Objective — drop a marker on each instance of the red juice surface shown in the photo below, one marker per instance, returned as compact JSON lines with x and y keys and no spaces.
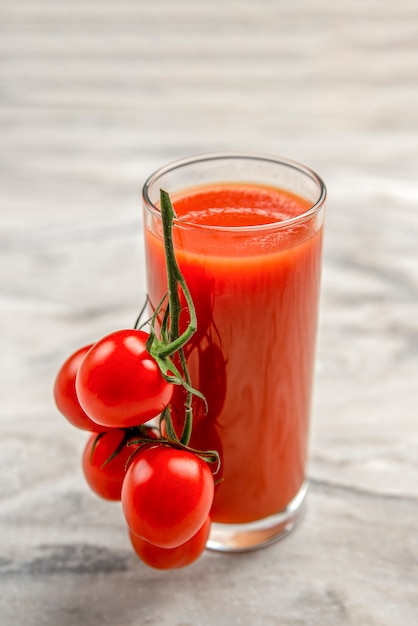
{"x":255,"y":291}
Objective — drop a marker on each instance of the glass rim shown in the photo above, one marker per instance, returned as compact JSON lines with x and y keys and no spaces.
{"x":250,"y":156}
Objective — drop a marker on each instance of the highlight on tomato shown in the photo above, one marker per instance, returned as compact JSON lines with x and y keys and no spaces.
{"x":172,"y":558}
{"x":119,"y":384}
{"x":167,"y":495}
{"x":65,"y":393}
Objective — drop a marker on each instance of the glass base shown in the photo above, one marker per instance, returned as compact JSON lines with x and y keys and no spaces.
{"x":261,"y":533}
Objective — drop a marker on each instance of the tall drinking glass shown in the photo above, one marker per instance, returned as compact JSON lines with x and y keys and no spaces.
{"x":248,"y":238}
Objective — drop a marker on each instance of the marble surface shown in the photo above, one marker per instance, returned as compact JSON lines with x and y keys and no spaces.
{"x":94,"y":96}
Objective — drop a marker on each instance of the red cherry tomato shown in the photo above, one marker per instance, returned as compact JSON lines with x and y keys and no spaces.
{"x":119,"y":384}
{"x":103,"y":476}
{"x":65,"y":393}
{"x":167,"y":495}
{"x":171,"y":558}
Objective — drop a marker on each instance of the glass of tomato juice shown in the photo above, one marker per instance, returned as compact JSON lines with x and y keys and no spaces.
{"x":248,"y":238}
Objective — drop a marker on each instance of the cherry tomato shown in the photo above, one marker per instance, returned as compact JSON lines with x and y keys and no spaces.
{"x":167,"y":495}
{"x":103,"y":476}
{"x":171,"y":558}
{"x":65,"y":393}
{"x":119,"y":384}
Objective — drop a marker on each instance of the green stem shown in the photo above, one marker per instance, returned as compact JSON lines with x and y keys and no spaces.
{"x":174,"y":281}
{"x":167,"y":216}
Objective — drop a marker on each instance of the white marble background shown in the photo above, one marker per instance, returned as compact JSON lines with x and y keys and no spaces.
{"x":94,"y":95}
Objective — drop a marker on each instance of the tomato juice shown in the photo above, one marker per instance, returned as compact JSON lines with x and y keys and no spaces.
{"x":253,"y":270}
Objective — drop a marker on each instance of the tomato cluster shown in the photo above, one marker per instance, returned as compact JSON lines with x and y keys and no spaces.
{"x":112,"y":389}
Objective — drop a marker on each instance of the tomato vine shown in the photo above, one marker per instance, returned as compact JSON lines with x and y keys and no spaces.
{"x":169,"y":341}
